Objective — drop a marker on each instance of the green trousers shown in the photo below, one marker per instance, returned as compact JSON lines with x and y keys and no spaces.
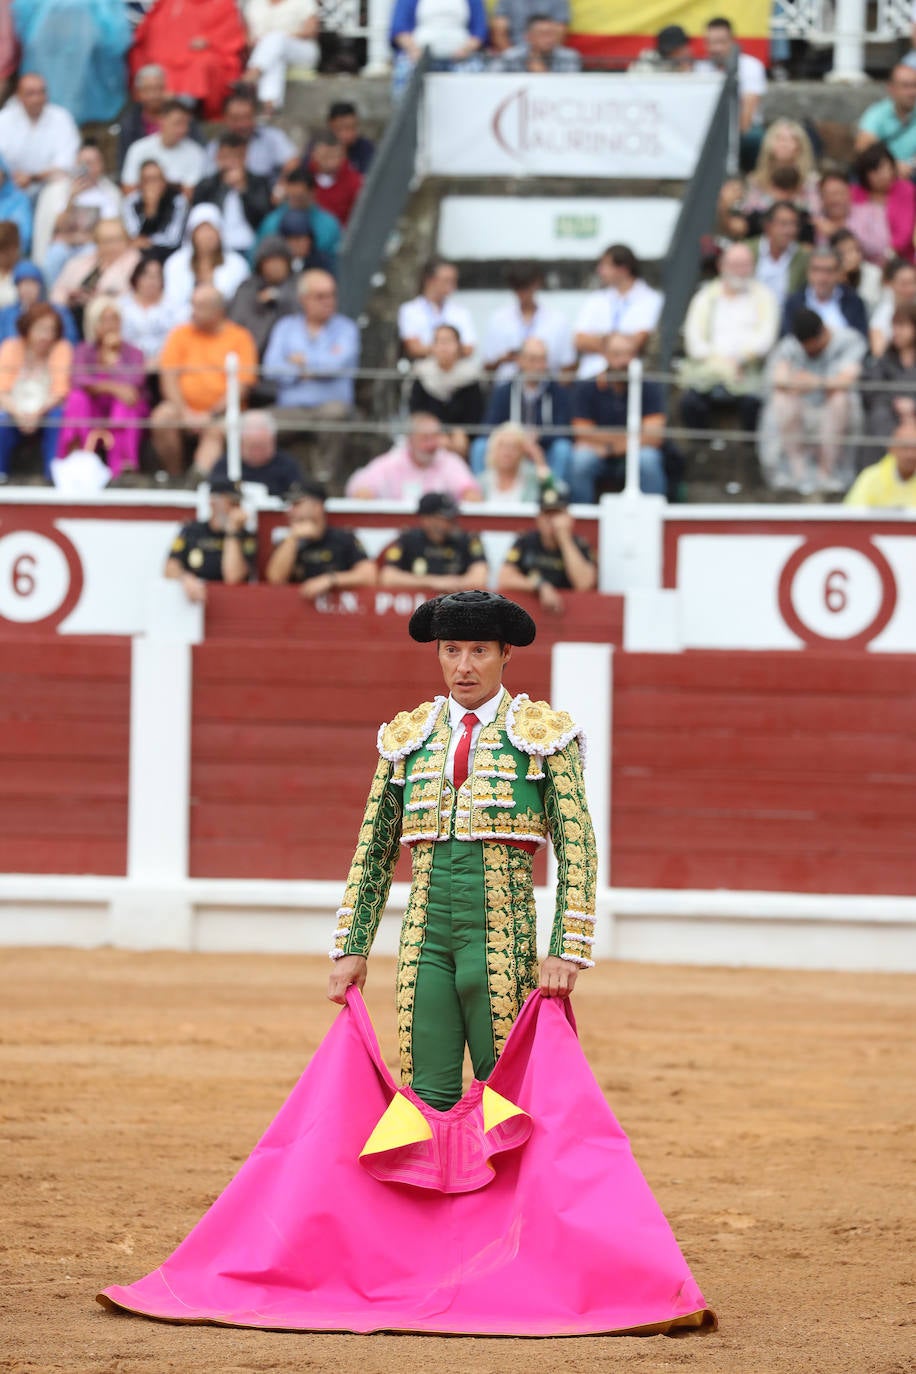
{"x":452,"y":998}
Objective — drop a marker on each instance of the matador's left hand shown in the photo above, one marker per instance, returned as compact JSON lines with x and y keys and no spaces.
{"x":345,"y":972}
{"x":558,"y":977}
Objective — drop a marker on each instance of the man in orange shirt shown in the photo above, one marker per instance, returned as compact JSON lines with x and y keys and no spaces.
{"x":193,"y":381}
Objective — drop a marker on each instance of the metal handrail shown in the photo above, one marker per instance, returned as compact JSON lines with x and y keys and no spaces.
{"x":395,"y":422}
{"x":664,"y":376}
{"x":718,"y":158}
{"x":382,"y":199}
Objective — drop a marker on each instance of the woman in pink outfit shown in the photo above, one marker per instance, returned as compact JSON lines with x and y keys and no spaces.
{"x":108,"y":388}
{"x":883,"y":214}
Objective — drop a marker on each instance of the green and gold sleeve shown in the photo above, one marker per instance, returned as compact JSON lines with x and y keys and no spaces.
{"x":372,"y":869}
{"x":574,"y":844}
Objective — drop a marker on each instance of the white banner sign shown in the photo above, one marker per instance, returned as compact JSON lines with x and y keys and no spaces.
{"x":641,"y":127}
{"x":488,"y":228}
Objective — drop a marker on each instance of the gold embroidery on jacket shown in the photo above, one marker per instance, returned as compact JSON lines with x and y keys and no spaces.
{"x":413,"y":933}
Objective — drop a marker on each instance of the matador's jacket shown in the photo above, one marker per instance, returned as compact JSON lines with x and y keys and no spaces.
{"x":526,"y":783}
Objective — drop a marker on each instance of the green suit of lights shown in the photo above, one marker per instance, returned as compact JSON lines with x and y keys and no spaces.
{"x":468,"y":956}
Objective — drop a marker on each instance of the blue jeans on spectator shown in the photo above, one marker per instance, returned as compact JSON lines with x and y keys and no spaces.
{"x":588,"y":466}
{"x":10,"y":436}
{"x":558,"y":453}
{"x":402,"y":69}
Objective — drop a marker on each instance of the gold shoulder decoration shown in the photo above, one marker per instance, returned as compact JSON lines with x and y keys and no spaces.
{"x":537,"y":729}
{"x":408,"y":730}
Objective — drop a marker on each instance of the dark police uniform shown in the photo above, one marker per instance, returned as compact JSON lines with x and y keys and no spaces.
{"x":199,"y":549}
{"x":531,"y":555}
{"x":337,"y":550}
{"x":414,"y":552}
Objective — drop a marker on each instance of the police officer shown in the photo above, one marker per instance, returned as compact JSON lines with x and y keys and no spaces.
{"x":322,"y":557}
{"x":551,"y":557}
{"x":217,"y":549}
{"x":435,"y":555}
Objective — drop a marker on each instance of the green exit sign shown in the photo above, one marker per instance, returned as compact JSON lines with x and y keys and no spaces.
{"x":576,"y":226}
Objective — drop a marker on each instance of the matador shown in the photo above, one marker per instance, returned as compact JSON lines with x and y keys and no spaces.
{"x":473,"y":783}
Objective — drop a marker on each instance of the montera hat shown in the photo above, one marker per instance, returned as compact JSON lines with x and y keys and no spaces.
{"x":472,"y":615}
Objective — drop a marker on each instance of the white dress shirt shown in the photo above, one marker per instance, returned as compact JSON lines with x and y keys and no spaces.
{"x":146,"y":326}
{"x":610,"y":311}
{"x":829,"y":310}
{"x":268,"y":149}
{"x":752,"y":77}
{"x":180,"y":283}
{"x":774,"y":272}
{"x":237,"y":232}
{"x":35,"y":145}
{"x":507,"y":329}
{"x":882,"y":317}
{"x":277,"y":16}
{"x":182,"y":163}
{"x":419,"y":319}
{"x":486,"y":714}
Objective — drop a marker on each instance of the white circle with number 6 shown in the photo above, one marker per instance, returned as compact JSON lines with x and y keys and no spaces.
{"x":837,"y":593}
{"x":34,"y":577}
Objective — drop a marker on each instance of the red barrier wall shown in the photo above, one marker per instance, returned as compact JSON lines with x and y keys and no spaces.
{"x":791,"y":771}
{"x":771,"y":772}
{"x":64,"y":755}
{"x":286,"y":708}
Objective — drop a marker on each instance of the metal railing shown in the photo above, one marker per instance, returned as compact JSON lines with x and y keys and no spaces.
{"x":817,"y":21}
{"x":393,"y":416}
{"x":724,"y":456}
{"x":367,"y":19}
{"x":718,"y":158}
{"x":382,"y":199}
{"x":846,"y":26}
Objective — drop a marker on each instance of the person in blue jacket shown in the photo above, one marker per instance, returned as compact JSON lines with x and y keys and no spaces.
{"x":839,"y":306}
{"x":455,"y":34}
{"x":30,"y":287}
{"x":16,"y":206}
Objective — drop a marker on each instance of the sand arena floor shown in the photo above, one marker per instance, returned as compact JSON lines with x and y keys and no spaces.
{"x":773,"y":1114}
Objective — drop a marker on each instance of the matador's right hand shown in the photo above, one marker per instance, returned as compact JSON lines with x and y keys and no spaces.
{"x":349,"y":970}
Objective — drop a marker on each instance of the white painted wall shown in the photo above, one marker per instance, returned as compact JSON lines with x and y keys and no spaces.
{"x":730,"y":929}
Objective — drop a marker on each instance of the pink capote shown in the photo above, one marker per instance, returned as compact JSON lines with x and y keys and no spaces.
{"x":559,"y":1235}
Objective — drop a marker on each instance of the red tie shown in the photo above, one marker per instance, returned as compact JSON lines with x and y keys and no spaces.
{"x":463,"y":752}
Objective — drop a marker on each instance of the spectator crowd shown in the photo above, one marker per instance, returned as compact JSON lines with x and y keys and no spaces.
{"x":801,"y":334}
{"x":128,"y":276}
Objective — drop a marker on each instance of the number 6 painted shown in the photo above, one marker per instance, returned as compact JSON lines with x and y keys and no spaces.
{"x":23,"y":576}
{"x":835,"y":596}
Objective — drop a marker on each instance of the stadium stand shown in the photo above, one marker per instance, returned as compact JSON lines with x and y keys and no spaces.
{"x":282,"y":157}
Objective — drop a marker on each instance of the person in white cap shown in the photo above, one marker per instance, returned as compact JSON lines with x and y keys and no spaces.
{"x":203,"y":260}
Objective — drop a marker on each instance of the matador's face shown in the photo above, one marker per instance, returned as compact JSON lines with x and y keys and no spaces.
{"x":473,"y":669}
